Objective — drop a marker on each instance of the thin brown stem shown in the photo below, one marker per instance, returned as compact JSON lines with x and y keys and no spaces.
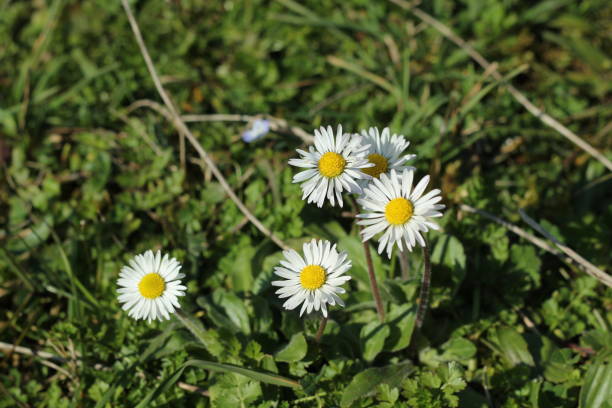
{"x":368,"y":257}
{"x":425,"y":285}
{"x":321,"y":330}
{"x":403,"y":258}
{"x":375,"y":292}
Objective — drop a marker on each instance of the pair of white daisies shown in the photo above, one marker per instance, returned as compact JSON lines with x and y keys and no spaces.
{"x":370,"y":165}
{"x":150,"y":285}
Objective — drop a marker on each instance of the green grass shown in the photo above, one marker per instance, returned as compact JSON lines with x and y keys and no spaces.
{"x":87,"y":184}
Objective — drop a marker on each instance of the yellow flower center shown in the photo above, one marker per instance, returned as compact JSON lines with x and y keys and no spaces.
{"x":331,"y":164}
{"x":312,"y":277}
{"x":398,"y":211}
{"x":152,"y":286}
{"x":380,"y":165}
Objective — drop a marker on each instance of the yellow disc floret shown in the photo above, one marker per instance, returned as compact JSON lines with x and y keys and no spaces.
{"x":312,"y":277}
{"x":331,"y":164}
{"x":380,"y":165}
{"x":152,"y":286}
{"x":398,"y":211}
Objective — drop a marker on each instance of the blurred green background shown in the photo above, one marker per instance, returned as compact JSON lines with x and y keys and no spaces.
{"x":88,"y":181}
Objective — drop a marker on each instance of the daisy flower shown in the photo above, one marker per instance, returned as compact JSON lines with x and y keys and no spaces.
{"x":333,"y":166}
{"x":385,"y":152}
{"x":392,"y":205}
{"x":150,"y":286}
{"x":315,"y":280}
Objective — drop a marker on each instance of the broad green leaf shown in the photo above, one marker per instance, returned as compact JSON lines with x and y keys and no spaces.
{"x":31,"y":237}
{"x":365,"y":383}
{"x":239,"y":268}
{"x":513,"y":346}
{"x":526,"y":260}
{"x":452,"y":376}
{"x":372,"y":338}
{"x":534,"y":393}
{"x":449,"y":251}
{"x":263,"y":279}
{"x":458,"y":349}
{"x":597,"y":389}
{"x":401,"y":324}
{"x":157,"y":342}
{"x":597,"y":340}
{"x":234,"y":309}
{"x":354,"y":247}
{"x":557,"y":362}
{"x":294,"y":351}
{"x":209,"y":339}
{"x":231,"y":390}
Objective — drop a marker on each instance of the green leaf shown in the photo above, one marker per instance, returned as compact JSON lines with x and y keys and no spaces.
{"x":400,"y":321}
{"x":31,"y":237}
{"x":452,"y":376}
{"x":458,"y":349}
{"x":513,"y":346}
{"x":234,"y":309}
{"x":526,"y":260}
{"x":597,"y":389}
{"x":233,"y":390}
{"x":294,"y":351}
{"x":597,"y":340}
{"x":557,"y":363}
{"x":449,"y":251}
{"x":157,"y":342}
{"x":208,"y":338}
{"x":365,"y":383}
{"x":354,"y":247}
{"x":237,"y":265}
{"x":372,"y":338}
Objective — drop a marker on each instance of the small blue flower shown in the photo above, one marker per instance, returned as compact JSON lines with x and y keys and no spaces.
{"x":259,"y":129}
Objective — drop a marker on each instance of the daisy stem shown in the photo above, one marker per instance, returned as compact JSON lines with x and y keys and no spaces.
{"x":368,"y":256}
{"x":425,"y":284}
{"x":321,"y":330}
{"x":375,"y":292}
{"x":403,"y":258}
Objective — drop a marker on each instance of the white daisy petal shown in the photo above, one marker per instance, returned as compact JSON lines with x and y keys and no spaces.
{"x":314,"y":283}
{"x":385,"y":153}
{"x":149,"y":288}
{"x":333,"y":166}
{"x":391,"y":206}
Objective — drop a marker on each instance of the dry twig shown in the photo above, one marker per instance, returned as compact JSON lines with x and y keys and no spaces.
{"x":563,"y":255}
{"x":276,"y":124}
{"x":50,"y":360}
{"x":588,"y":267}
{"x":180,"y":125}
{"x":520,"y":98}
